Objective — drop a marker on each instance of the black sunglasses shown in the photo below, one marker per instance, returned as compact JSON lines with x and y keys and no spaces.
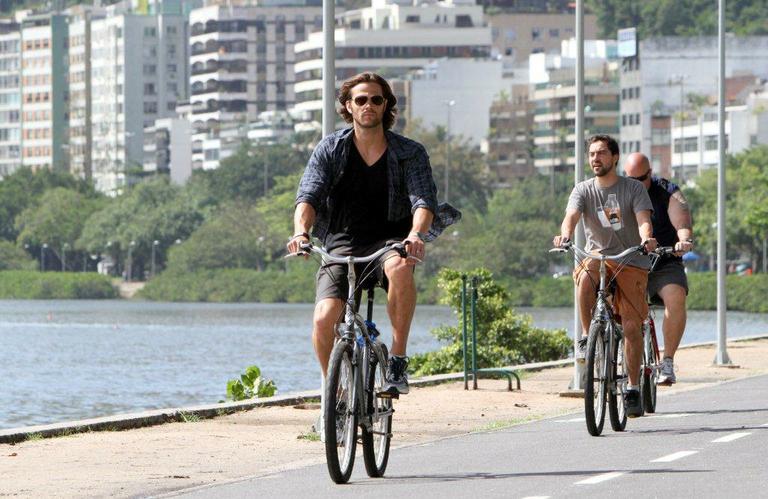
{"x":642,"y":178}
{"x":361,"y":100}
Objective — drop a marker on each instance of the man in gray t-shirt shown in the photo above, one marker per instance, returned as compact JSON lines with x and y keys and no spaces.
{"x":617,"y":215}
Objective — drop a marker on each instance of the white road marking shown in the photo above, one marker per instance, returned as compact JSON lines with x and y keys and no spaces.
{"x":730,"y":438}
{"x":574,"y":420}
{"x":765,"y":424}
{"x":601,"y":478}
{"x":537,"y":497}
{"x":674,"y":457}
{"x":670,"y":416}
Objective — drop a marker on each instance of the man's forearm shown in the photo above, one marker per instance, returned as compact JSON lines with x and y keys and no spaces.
{"x":303,"y":218}
{"x":422,"y":220}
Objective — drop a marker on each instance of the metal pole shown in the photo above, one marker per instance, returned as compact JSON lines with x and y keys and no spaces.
{"x":474,"y":332}
{"x":464,"y":326}
{"x":578,"y":177}
{"x":329,"y":67}
{"x":765,"y":242}
{"x":42,"y":257}
{"x":721,"y":357}
{"x":682,"y":128}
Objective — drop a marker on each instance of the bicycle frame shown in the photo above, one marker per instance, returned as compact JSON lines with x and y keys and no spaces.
{"x":354,"y":330}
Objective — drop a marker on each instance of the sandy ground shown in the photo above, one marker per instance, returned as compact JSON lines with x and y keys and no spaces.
{"x":174,"y":456}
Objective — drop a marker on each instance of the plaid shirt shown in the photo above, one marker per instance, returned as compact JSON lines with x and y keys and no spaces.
{"x":409,"y":177}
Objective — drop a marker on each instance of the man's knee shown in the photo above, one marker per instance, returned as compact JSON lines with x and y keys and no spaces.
{"x":398,"y":272}
{"x":673,"y":296}
{"x":327,"y":313}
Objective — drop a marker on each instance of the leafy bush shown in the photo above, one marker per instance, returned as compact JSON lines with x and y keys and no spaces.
{"x":31,"y":285}
{"x":504,"y":338}
{"x":250,"y":385}
{"x":743,"y":293}
{"x":14,"y":258}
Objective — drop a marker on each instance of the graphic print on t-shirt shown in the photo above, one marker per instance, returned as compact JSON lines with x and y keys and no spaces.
{"x":610,"y":213}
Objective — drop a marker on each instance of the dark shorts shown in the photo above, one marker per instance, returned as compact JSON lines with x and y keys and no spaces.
{"x":671,"y":271}
{"x":331,"y":279}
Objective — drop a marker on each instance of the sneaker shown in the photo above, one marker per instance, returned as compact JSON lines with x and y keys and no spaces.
{"x":634,"y":405}
{"x":581,"y":351}
{"x":397,"y":376}
{"x":667,"y":372}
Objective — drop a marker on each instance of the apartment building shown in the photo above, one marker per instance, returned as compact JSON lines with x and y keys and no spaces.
{"x":10,"y":98}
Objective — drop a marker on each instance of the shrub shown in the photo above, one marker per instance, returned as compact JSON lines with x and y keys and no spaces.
{"x":31,"y":285}
{"x":250,"y":385}
{"x":504,"y":337}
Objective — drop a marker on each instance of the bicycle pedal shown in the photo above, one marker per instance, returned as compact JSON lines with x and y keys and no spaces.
{"x":388,"y":395}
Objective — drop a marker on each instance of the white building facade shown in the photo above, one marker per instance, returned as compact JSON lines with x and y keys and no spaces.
{"x":10,"y":98}
{"x":138,"y":74}
{"x":242,"y":63}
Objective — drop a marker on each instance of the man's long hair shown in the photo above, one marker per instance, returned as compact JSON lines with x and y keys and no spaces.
{"x":345,"y":93}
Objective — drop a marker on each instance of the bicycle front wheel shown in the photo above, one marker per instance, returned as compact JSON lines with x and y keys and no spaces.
{"x":617,"y":410}
{"x":650,"y":369}
{"x":340,"y":419}
{"x":377,"y":436}
{"x":594,"y":388}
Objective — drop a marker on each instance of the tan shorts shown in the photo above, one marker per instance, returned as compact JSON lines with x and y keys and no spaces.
{"x":629,"y":299}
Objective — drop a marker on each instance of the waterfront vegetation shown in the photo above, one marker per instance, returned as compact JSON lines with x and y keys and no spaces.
{"x":28,"y":285}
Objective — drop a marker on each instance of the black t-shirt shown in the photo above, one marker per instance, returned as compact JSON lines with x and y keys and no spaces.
{"x":361,"y":205}
{"x":660,"y":192}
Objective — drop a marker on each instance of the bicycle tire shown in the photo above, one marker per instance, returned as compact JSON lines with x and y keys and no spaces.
{"x":377,"y":438}
{"x":650,"y":372}
{"x":339,"y":397}
{"x":617,"y":410}
{"x":594,"y":387}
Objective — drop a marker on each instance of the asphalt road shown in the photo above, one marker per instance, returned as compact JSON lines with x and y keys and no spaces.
{"x":706,"y":443}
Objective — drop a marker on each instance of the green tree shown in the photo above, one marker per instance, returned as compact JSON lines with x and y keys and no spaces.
{"x":24,"y":187}
{"x":57,"y":219}
{"x":14,"y":258}
{"x":153,"y":210}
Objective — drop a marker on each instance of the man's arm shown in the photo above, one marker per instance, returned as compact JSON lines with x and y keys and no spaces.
{"x":680,"y":216}
{"x":422,"y":220}
{"x":303,"y":220}
{"x":572,"y":217}
{"x":645,"y":227}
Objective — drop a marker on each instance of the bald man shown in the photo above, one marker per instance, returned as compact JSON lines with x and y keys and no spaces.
{"x":671,"y":221}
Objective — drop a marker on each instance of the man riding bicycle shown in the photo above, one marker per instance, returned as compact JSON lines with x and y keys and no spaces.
{"x":671,"y":222}
{"x":617,"y":215}
{"x":363,"y":186}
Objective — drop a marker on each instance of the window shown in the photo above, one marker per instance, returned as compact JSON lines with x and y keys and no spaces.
{"x":535,"y":34}
{"x":171,"y":30}
{"x":171,"y":68}
{"x":150,"y":69}
{"x":710,"y":143}
{"x":149,"y":89}
{"x":412,"y":19}
{"x":150,"y":107}
{"x":554,"y":33}
{"x":150,"y":32}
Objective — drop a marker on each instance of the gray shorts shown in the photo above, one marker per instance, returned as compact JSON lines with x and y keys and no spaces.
{"x":666,"y":272}
{"x":331,"y":279}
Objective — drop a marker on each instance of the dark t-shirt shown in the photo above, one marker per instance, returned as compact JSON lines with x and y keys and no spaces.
{"x":664,"y":232}
{"x":361,"y":205}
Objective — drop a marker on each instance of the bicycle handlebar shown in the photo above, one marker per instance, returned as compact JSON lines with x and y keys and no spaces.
{"x":580,"y":252}
{"x":307,"y":248}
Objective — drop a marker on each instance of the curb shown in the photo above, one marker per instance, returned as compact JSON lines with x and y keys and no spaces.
{"x":162,"y":416}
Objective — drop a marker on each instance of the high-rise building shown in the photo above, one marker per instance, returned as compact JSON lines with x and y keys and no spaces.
{"x":392,"y":37}
{"x":10,"y":98}
{"x":510,"y":137}
{"x":242,"y":63}
{"x":660,"y":77}
{"x":138,"y":74}
{"x":44,"y":106}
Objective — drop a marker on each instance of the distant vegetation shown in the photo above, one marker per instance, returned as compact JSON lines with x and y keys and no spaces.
{"x":33,"y":285}
{"x":679,"y":17}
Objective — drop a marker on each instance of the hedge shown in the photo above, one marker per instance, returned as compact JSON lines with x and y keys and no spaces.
{"x":33,"y":285}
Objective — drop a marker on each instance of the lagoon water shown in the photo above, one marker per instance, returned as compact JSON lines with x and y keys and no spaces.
{"x":66,"y":360}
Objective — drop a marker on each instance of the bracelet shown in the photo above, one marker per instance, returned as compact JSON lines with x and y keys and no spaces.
{"x":420,"y":235}
{"x":300,"y":234}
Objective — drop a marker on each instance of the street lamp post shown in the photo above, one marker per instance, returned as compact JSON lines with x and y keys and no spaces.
{"x":449,"y":104}
{"x":155,"y":243}
{"x":129,"y":273}
{"x":64,"y":248}
{"x":42,"y":257}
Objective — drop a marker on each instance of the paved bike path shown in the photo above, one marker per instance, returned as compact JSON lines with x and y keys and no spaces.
{"x":705,"y":443}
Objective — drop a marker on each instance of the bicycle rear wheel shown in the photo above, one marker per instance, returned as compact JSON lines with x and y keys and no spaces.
{"x":377,"y":437}
{"x":594,"y":388}
{"x":617,"y":410}
{"x":340,"y":425}
{"x":650,"y":368}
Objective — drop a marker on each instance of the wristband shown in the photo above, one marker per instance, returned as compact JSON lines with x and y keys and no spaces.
{"x":420,"y":235}
{"x":300,"y":234}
